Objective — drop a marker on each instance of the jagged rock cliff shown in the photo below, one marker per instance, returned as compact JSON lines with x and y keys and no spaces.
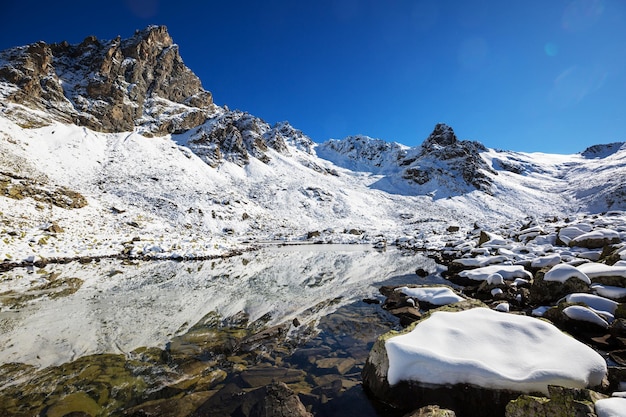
{"x":237,"y":136}
{"x":364,"y":153}
{"x":445,"y":160}
{"x":107,"y":86}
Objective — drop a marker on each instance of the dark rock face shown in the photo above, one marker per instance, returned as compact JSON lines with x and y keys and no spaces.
{"x":445,"y":159}
{"x":562,"y":401}
{"x":236,"y":136}
{"x":109,"y":86}
{"x":602,"y":151}
{"x":362,"y":152}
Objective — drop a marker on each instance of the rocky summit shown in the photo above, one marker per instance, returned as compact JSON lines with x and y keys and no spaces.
{"x":107,"y":86}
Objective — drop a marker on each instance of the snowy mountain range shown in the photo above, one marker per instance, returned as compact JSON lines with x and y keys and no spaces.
{"x":114,"y":147}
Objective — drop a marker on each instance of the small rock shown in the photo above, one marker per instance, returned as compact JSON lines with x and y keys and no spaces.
{"x":274,"y":400}
{"x":432,"y":411}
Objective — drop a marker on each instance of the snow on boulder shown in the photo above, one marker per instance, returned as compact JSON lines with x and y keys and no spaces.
{"x":598,"y":270}
{"x":568,"y":233}
{"x":594,"y":301}
{"x":613,"y":275}
{"x":611,"y":407}
{"x":596,"y":239}
{"x":582,"y":313}
{"x":544,"y":261}
{"x":563,"y":272}
{"x":492,"y":350}
{"x":506,"y":271}
{"x":495,"y":279}
{"x":503,"y":307}
{"x":480,"y":261}
{"x":487,"y":240}
{"x":437,"y":296}
{"x":609,"y":291}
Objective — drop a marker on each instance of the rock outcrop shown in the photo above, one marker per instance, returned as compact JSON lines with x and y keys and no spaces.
{"x":445,"y":160}
{"x":363,"y":153}
{"x":108,"y":86}
{"x":237,"y":136}
{"x":274,"y":400}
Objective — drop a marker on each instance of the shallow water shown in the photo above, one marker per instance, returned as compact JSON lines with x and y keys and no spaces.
{"x":110,"y":337}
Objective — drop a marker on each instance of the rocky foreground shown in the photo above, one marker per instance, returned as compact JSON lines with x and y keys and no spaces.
{"x":564,"y":274}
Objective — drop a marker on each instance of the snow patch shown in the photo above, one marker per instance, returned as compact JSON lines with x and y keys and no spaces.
{"x":434,"y":295}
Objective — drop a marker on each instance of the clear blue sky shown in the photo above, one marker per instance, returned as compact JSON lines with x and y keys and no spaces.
{"x":532,"y":75}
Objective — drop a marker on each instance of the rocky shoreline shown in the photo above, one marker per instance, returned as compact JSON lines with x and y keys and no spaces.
{"x":536,"y":271}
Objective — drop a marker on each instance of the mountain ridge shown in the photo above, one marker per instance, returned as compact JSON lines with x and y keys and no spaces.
{"x":166,"y":172}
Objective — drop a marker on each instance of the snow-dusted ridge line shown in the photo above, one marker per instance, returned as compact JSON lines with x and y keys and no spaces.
{"x":208,"y":178}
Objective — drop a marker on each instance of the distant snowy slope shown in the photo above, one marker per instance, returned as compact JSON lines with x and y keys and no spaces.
{"x":362,"y":153}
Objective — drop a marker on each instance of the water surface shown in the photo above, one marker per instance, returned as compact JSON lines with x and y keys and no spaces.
{"x":150,"y":325}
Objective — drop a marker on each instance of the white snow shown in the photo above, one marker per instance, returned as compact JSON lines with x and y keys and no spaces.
{"x":596,"y":234}
{"x":544,"y":261}
{"x":562,"y":272}
{"x":508,"y":272}
{"x":583,"y":313}
{"x":597,"y":270}
{"x":566,"y":234}
{"x":540,"y":311}
{"x":495,"y":279}
{"x":503,"y":307}
{"x":594,"y":301}
{"x":434,"y":295}
{"x":492,"y":350}
{"x":611,"y":407}
{"x":609,"y":291}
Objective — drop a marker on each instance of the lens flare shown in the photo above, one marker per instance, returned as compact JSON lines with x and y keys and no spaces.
{"x":551,"y":49}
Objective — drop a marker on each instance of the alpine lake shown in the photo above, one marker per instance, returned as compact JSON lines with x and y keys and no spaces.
{"x":164,"y":338}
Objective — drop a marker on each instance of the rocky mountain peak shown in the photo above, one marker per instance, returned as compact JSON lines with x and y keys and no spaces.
{"x":108,"y":86}
{"x":442,"y":135}
{"x":603,"y":150}
{"x":442,"y":159}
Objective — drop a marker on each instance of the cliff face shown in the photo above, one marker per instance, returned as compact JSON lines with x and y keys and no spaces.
{"x":107,"y":86}
{"x":443,"y":159}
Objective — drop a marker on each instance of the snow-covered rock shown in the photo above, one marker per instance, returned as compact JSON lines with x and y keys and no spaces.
{"x":437,"y":296}
{"x":597,"y":238}
{"x":594,"y":301}
{"x":508,"y":272}
{"x":611,"y":407}
{"x":585,"y":314}
{"x":563,"y":272}
{"x":506,"y":352}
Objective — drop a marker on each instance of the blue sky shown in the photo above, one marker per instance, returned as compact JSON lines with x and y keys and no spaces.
{"x":533,"y":75}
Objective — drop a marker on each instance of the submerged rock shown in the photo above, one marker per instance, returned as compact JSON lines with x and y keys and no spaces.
{"x":274,"y":400}
{"x":431,"y":411}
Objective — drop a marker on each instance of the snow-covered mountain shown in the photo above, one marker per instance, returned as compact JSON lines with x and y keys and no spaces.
{"x":110,"y":147}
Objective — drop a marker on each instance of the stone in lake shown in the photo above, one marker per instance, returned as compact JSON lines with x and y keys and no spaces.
{"x":562,"y":401}
{"x":432,"y":411}
{"x":474,"y":361}
{"x":274,"y":400}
